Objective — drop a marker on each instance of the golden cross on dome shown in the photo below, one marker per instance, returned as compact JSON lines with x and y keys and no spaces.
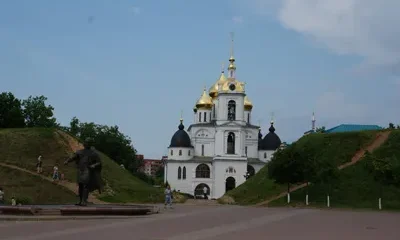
{"x":181,"y":116}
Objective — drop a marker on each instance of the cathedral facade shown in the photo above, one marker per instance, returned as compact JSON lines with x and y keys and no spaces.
{"x":222,"y":148}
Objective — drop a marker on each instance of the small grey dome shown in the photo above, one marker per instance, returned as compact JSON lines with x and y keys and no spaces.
{"x":180,"y":138}
{"x":271,"y":141}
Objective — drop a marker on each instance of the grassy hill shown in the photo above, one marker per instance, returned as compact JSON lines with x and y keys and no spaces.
{"x":21,"y":147}
{"x":356,"y":186}
{"x":336,"y":147}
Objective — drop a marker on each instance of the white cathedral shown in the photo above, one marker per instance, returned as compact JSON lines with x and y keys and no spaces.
{"x":221,"y":149}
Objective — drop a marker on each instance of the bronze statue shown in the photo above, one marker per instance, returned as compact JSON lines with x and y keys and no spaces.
{"x":89,"y":170}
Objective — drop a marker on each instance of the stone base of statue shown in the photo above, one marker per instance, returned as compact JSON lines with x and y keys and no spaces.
{"x":73,"y":210}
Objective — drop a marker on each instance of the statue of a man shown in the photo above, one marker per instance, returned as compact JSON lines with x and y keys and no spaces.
{"x":89,"y":170}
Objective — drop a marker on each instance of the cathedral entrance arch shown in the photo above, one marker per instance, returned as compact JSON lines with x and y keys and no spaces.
{"x":230,"y":183}
{"x":250,"y":171}
{"x":199,"y":190}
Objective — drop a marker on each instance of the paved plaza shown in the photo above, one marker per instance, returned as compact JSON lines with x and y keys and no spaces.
{"x":216,"y":222}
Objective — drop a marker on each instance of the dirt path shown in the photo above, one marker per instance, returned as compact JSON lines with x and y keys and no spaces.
{"x":68,"y":185}
{"x":379,"y":140}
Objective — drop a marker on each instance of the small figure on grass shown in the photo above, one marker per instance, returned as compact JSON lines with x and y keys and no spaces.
{"x":56,"y":174}
{"x":13,"y":201}
{"x":89,"y":167}
{"x":39,"y":163}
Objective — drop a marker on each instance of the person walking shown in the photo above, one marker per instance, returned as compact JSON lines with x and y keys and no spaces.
{"x":39,"y":163}
{"x":168,"y":197}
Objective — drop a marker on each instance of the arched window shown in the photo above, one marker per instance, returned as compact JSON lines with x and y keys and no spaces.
{"x":180,"y":152}
{"x":202,"y":150}
{"x":179,"y":173}
{"x":231,"y":110}
{"x":202,"y":171}
{"x":184,"y":173}
{"x":213,"y":112}
{"x":245,"y":150}
{"x":265,"y":155}
{"x":231,"y":143}
{"x":199,"y":116}
{"x":189,"y":153}
{"x":205,"y":117}
{"x":248,"y":118}
{"x":172,"y":152}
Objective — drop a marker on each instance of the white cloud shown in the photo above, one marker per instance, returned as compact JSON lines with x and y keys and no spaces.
{"x":237,"y":19}
{"x":366,"y":28}
{"x":136,"y":10}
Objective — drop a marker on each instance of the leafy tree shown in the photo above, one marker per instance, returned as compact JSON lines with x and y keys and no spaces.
{"x":286,"y":166}
{"x":320,"y":129}
{"x":326,"y":174}
{"x":391,"y":126}
{"x":11,"y":115}
{"x":111,"y":142}
{"x":74,"y":126}
{"x":37,"y":113}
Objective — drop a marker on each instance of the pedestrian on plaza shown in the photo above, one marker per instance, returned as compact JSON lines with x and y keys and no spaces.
{"x":168,"y":197}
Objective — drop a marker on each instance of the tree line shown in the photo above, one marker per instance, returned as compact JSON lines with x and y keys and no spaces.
{"x":35,"y":112}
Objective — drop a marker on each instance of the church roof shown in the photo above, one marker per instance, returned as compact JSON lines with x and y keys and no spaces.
{"x":204,"y":101}
{"x":181,"y":138}
{"x":352,"y":128}
{"x":271,"y":141}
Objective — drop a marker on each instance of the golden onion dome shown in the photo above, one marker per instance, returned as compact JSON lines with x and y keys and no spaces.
{"x":236,"y":86}
{"x":205,"y":101}
{"x":213,"y":92}
{"x":248,"y":105}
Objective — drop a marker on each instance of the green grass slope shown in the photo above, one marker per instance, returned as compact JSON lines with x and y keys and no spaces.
{"x":356,"y":186}
{"x":21,"y":147}
{"x":337,"y":147}
{"x":29,"y":189}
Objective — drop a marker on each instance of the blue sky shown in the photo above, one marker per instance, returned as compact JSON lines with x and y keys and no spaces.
{"x":137,"y":64}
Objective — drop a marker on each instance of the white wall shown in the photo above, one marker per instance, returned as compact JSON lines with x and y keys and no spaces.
{"x":222,"y":110}
{"x":189,"y":184}
{"x":245,"y":116}
{"x":185,"y":153}
{"x":200,"y":113}
{"x":251,"y":142}
{"x":221,"y":176}
{"x":268,"y":153}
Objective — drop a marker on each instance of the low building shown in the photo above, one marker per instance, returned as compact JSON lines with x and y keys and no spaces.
{"x":352,"y":128}
{"x":151,"y":166}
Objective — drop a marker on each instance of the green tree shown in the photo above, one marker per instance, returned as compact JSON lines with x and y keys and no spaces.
{"x":11,"y":115}
{"x":74,"y":126}
{"x":110,"y":141}
{"x":391,"y":126}
{"x":326,"y":174}
{"x":320,"y":129}
{"x":37,"y":113}
{"x":286,"y":167}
